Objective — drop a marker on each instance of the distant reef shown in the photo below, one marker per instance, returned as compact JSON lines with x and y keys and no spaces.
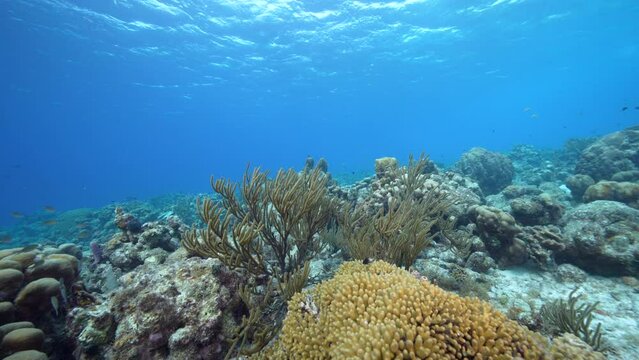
{"x":530,"y":254}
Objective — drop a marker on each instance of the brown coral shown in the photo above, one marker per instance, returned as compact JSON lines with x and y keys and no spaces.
{"x":380,"y":311}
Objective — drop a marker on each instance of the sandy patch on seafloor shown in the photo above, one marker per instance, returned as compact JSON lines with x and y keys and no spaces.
{"x":617,"y":310}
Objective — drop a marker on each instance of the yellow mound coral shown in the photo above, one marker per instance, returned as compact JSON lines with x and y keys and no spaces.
{"x":378,"y":311}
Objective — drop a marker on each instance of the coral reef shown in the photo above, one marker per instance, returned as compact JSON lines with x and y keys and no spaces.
{"x":498,"y":229}
{"x":493,"y":171}
{"x":479,"y":229}
{"x":578,"y":184}
{"x":625,"y":192}
{"x":270,"y":233}
{"x":400,"y":230}
{"x":569,"y":316}
{"x":568,"y":347}
{"x":542,"y":242}
{"x":380,"y":311}
{"x":540,"y":209}
{"x":611,"y":154}
{"x":386,"y":166}
{"x":175,"y":310}
{"x":37,"y":287}
{"x":602,"y":237}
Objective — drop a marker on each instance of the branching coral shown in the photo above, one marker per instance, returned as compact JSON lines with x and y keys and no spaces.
{"x":380,"y":311}
{"x":398,"y":232}
{"x":284,"y":214}
{"x":569,"y":316}
{"x":268,"y":228}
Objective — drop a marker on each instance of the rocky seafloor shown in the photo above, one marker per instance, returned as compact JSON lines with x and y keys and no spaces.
{"x":529,"y":227}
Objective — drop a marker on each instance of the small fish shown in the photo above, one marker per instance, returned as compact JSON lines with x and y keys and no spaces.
{"x":82,"y":225}
{"x":636,"y":107}
{"x":50,"y":222}
{"x":17,"y":215}
{"x":534,"y":116}
{"x":84,"y":234}
{"x":49,"y":209}
{"x":527,"y":109}
{"x":624,"y":108}
{"x":63,"y":292}
{"x":55,"y":304}
{"x":5,"y":239}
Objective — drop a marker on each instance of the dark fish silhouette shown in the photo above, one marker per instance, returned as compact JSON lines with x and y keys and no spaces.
{"x":636,"y":107}
{"x":624,"y":108}
{"x":17,"y":214}
{"x":49,"y":209}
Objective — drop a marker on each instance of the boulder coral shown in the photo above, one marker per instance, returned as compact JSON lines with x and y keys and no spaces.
{"x":499,"y":230}
{"x":379,"y":311}
{"x":625,"y":192}
{"x":602,"y":237}
{"x":36,"y":289}
{"x":493,"y":171}
{"x":613,"y":153}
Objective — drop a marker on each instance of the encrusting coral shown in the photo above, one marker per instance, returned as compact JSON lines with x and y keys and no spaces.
{"x":377,"y":311}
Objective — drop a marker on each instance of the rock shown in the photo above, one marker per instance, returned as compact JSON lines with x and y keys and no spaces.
{"x":493,"y":171}
{"x":492,"y":222}
{"x":22,"y":339}
{"x":7,"y":328}
{"x":36,"y":296}
{"x":498,"y":229}
{"x":569,"y":346}
{"x":578,"y":185}
{"x":602,"y":237}
{"x":542,"y":242}
{"x":174,"y":310}
{"x":569,"y":273}
{"x":480,"y":262}
{"x":536,"y":210}
{"x":156,"y":235}
{"x":7,"y":312}
{"x":515,"y":191}
{"x":610,"y":155}
{"x":625,"y":192}
{"x":10,"y":282}
{"x":386,"y":166}
{"x":630,"y":175}
{"x":27,"y":355}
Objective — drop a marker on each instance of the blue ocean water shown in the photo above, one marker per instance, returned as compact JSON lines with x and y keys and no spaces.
{"x":104,"y":100}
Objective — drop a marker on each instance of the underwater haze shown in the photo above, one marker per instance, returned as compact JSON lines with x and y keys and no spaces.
{"x":105,"y":100}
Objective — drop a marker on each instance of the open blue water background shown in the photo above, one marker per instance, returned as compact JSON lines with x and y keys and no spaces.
{"x":102,"y":100}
